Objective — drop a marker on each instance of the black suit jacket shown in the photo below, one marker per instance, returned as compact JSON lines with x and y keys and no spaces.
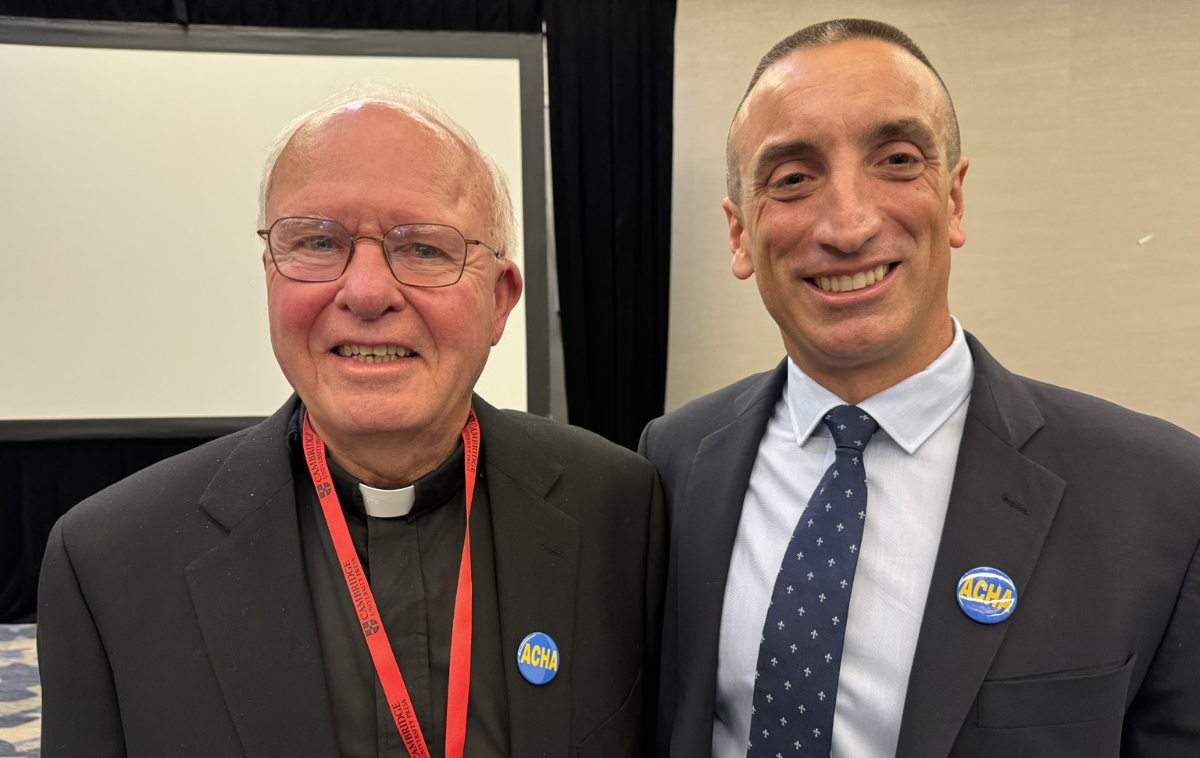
{"x":175,"y":617}
{"x":1094,"y":511}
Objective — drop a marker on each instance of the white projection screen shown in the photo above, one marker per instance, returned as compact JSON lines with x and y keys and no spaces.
{"x":132,"y":294}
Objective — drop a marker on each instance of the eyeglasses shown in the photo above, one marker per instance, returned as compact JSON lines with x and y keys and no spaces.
{"x":319,"y":250}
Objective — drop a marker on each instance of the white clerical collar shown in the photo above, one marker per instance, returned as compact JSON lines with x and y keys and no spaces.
{"x":388,"y":503}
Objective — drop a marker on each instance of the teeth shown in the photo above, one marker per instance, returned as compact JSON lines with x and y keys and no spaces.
{"x":374,"y":353}
{"x":851,"y":283}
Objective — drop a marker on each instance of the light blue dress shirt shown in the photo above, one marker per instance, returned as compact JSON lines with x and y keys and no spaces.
{"x":910,"y":467}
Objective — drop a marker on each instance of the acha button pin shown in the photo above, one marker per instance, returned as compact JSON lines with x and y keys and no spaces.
{"x":987,"y":595}
{"x":537,"y":658}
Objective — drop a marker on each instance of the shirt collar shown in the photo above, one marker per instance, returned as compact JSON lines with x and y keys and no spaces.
{"x":428,"y":493}
{"x":909,"y":412}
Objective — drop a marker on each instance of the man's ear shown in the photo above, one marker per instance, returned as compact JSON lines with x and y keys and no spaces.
{"x":507,"y":292}
{"x":958,"y":235}
{"x":270,"y":273}
{"x":743,"y":264}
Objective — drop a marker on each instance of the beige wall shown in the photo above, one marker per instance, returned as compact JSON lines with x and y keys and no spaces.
{"x":1082,"y":123}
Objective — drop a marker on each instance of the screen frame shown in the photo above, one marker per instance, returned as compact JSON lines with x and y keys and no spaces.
{"x":202,"y":38}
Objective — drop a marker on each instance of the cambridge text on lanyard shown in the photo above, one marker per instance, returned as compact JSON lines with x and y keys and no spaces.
{"x":368,"y":615}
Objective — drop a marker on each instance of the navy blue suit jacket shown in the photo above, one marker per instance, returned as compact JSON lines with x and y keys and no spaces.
{"x":1093,"y":510}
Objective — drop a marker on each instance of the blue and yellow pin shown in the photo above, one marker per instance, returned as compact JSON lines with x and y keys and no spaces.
{"x":987,"y":595}
{"x":537,"y":658}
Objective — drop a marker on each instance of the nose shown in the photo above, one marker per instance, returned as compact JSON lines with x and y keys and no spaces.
{"x":849,"y":217}
{"x":368,"y":287}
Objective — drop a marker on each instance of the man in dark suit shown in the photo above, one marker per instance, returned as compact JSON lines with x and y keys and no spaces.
{"x":1015,"y":573}
{"x":387,"y":566}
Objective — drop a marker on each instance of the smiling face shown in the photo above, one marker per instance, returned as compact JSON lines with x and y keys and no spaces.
{"x":842,"y":164}
{"x":370,"y":356}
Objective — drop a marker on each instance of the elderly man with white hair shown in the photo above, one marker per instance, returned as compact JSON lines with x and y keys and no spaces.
{"x":387,"y":566}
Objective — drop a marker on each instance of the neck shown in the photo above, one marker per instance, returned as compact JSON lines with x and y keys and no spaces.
{"x":855,"y":381}
{"x":390,"y":460}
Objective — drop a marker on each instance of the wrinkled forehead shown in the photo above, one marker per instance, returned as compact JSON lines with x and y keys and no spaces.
{"x":379,"y":143}
{"x":833,"y":91}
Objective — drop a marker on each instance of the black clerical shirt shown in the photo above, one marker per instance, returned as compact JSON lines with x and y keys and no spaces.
{"x":412,"y":564}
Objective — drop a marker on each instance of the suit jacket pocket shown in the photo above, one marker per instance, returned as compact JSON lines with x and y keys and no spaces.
{"x":1065,"y":697}
{"x":625,"y":734}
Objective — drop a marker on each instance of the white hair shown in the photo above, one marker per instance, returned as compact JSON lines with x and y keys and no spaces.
{"x":419,"y":106}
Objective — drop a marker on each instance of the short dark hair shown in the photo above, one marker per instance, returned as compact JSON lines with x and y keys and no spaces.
{"x":831,"y":33}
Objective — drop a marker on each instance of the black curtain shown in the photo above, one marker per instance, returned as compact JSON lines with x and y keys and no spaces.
{"x":610,"y":67}
{"x":611,"y":73}
{"x":42,"y":480}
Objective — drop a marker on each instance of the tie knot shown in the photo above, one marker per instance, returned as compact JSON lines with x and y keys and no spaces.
{"x":850,"y":426}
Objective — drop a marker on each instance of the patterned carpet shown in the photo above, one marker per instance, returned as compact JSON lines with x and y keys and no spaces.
{"x":20,"y":692}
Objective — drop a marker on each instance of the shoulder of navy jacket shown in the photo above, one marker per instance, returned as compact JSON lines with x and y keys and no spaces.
{"x":764,"y":387}
{"x":1000,"y":401}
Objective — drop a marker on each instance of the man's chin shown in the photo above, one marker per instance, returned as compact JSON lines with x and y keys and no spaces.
{"x":850,"y":345}
{"x":368,"y":419}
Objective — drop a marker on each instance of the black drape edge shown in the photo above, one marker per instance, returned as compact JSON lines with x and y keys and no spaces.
{"x":665,"y":128}
{"x":614,"y":271}
{"x":565,"y":152}
{"x":523,"y":16}
{"x":83,"y":430}
{"x":43,"y":480}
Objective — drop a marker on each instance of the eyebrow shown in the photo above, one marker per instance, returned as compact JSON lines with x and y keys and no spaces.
{"x":906,"y":128}
{"x":777,"y":151}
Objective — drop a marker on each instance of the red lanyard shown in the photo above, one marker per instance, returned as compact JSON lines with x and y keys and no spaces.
{"x":368,"y":615}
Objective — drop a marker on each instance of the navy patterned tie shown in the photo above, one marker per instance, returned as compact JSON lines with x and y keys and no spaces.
{"x":800,"y":655}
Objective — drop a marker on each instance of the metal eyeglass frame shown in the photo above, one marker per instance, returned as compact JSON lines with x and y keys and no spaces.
{"x":266,"y":235}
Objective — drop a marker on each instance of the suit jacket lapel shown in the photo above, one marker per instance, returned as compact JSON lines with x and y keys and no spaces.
{"x":251,"y":599}
{"x":716,"y":488}
{"x":537,"y":556}
{"x":1001,"y":507}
